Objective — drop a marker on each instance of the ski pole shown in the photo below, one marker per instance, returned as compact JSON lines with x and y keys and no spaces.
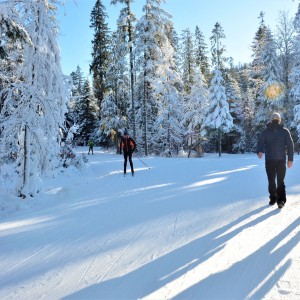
{"x":142,"y":162}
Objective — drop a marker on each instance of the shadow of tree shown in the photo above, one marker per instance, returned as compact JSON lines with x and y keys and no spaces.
{"x":157,"y":273}
{"x":240,"y":280}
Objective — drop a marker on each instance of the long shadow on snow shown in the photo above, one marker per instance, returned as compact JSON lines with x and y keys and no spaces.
{"x":240,"y":280}
{"x":157,"y":273}
{"x":69,"y":223}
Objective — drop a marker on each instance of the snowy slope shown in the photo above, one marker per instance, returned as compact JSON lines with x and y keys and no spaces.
{"x":183,"y":229}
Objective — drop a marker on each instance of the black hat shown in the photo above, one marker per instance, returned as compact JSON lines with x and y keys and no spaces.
{"x":125,"y":132}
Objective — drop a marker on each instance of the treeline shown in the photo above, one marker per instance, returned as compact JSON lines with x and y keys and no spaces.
{"x":169,"y":91}
{"x":174,"y":91}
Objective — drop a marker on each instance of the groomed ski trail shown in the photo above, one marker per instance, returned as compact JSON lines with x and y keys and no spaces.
{"x":173,"y":231}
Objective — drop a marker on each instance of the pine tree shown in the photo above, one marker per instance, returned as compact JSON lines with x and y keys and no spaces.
{"x":88,"y":114}
{"x":150,"y":38}
{"x":201,"y":58}
{"x":100,"y":54}
{"x":194,"y":109}
{"x":218,"y":115}
{"x":295,"y":74}
{"x":126,"y":24}
{"x":117,"y":99}
{"x":256,"y":80}
{"x":188,"y":60}
{"x":272,"y":91}
{"x":13,"y":36}
{"x":167,"y":129}
{"x":33,"y":112}
{"x":285,"y":37}
{"x":217,"y":48}
{"x":234,"y":98}
{"x":77,"y":93}
{"x":174,"y":41}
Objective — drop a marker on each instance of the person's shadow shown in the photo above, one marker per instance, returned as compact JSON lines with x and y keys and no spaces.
{"x":252,"y":277}
{"x":236,"y":282}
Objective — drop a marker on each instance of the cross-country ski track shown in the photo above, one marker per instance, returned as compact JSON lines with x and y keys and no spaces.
{"x":198,"y":228}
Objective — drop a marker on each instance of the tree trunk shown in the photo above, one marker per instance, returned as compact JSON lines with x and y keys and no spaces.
{"x":26,"y":166}
{"x":145,"y":115}
{"x":219,"y":142}
{"x":130,"y":41}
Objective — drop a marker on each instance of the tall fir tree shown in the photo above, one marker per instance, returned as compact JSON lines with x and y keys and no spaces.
{"x":126,"y":23}
{"x":167,"y":129}
{"x":150,"y":38}
{"x":284,"y":40}
{"x":13,"y":36}
{"x":88,"y":114}
{"x":100,"y":53}
{"x":271,"y":93}
{"x":195,"y":107}
{"x":118,"y":95}
{"x":217,"y":48}
{"x":35,"y":107}
{"x":77,"y":93}
{"x":218,"y":115}
{"x":234,"y":98}
{"x":256,"y":80}
{"x":188,"y":64}
{"x":294,"y":76}
{"x":201,"y":53}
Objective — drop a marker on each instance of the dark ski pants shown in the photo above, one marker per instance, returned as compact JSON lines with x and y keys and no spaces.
{"x":126,"y":156}
{"x":276,"y":169}
{"x":91,"y":150}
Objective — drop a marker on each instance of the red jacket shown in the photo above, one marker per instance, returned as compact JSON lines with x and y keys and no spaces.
{"x":127,"y":145}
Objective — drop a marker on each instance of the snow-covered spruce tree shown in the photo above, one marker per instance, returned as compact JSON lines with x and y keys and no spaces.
{"x":114,"y":111}
{"x":77,"y":93}
{"x":234,"y":98}
{"x":295,"y":74}
{"x":271,"y":94}
{"x":150,"y":38}
{"x":126,"y":24}
{"x":167,"y":129}
{"x":218,"y":115}
{"x":100,"y":53}
{"x":256,"y":80}
{"x":217,"y":48}
{"x":248,"y":138}
{"x":284,"y":40}
{"x":13,"y":36}
{"x":174,"y":41}
{"x":195,"y":107}
{"x":34,"y":109}
{"x":188,"y":66}
{"x":111,"y":120}
{"x":88,"y":114}
{"x":201,"y":58}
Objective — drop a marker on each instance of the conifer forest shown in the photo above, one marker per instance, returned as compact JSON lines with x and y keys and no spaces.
{"x":171,"y":90}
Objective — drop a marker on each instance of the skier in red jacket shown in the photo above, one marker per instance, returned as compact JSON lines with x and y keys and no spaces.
{"x":128,"y":146}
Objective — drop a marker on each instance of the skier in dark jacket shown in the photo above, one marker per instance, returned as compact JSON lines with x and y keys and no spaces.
{"x":128,"y":146}
{"x":278,"y":143}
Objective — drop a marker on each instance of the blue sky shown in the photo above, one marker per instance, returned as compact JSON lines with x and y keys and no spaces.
{"x":239,"y":19}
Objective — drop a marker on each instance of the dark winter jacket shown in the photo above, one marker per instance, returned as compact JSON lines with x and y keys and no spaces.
{"x":127,"y":145}
{"x":277,"y":142}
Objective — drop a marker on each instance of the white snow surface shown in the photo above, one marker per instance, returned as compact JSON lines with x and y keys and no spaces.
{"x":198,"y":228}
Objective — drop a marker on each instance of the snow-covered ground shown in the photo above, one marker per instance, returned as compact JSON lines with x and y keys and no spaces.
{"x":183,"y":229}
